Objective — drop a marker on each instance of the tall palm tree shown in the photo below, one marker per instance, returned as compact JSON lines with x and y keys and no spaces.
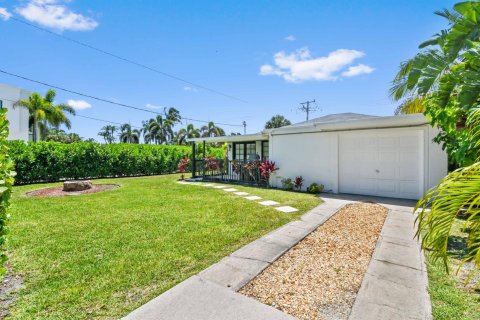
{"x":160,"y":130}
{"x":43,"y":112}
{"x":277,"y":121}
{"x":129,"y":135}
{"x":211,"y":130}
{"x":188,"y":133}
{"x":172,"y":115}
{"x":108,"y":133}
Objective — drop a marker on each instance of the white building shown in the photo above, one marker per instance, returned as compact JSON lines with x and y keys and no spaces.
{"x":390,"y":156}
{"x":18,"y":117}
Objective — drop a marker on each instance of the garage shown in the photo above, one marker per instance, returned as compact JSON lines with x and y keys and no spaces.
{"x":387,"y":156}
{"x":386,"y":163}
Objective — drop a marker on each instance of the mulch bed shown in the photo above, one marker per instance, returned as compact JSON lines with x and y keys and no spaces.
{"x":319,"y":277}
{"x":58,"y":191}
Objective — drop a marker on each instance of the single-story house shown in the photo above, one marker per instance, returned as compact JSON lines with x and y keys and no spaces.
{"x":392,"y":156}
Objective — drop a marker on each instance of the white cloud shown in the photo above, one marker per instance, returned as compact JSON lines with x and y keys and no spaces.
{"x":302,"y":66}
{"x":79,"y":104}
{"x":4,"y":14}
{"x":187,"y":88}
{"x":54,"y":14}
{"x":152,"y":106}
{"x":290,"y":38}
{"x":357,"y":70}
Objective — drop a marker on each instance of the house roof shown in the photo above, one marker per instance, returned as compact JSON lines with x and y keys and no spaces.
{"x":333,"y":122}
{"x":333,"y":118}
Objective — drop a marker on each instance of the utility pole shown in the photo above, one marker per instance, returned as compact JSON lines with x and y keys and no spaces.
{"x":308,"y":106}
{"x":244,"y":127}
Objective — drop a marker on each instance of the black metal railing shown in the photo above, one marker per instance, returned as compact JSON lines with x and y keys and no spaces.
{"x":234,"y":171}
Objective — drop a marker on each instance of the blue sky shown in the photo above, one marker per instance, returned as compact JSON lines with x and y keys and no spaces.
{"x":271,"y":54}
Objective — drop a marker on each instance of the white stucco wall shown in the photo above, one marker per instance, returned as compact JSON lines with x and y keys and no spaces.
{"x":314,"y":156}
{"x":18,"y":117}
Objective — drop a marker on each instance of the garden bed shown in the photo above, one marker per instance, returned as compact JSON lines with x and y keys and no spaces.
{"x":320,"y":277}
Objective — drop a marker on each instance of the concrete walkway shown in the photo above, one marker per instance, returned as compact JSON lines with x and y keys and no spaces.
{"x":393,"y":288}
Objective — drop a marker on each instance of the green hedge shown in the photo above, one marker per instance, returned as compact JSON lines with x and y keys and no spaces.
{"x":6,"y":183}
{"x":54,"y":161}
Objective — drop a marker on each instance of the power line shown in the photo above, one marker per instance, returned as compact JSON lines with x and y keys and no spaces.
{"x":138,"y":64}
{"x":106,"y":100}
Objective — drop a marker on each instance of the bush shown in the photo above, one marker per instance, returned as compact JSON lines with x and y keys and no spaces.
{"x":6,"y":183}
{"x":298,"y":183}
{"x":315,"y":188}
{"x":287,"y":184}
{"x":54,"y":161}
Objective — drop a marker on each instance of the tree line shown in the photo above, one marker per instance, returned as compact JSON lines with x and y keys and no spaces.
{"x":160,"y":130}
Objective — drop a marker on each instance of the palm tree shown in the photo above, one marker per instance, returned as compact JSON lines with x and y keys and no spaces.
{"x":188,"y":133}
{"x":443,"y":79}
{"x":108,"y":133}
{"x":172,"y":115}
{"x":277,"y":121}
{"x":211,"y":130}
{"x":129,"y":135}
{"x":160,"y":130}
{"x":43,"y":112}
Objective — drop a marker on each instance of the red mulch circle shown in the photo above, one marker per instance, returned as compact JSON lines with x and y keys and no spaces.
{"x":58,"y":191}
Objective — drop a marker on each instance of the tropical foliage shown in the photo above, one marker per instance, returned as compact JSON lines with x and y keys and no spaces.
{"x":444,"y":79}
{"x":6,"y":183}
{"x":44,"y":114}
{"x":53,"y":161}
{"x":108,"y":133}
{"x":128,"y":134}
{"x":277,"y":121}
{"x":61,"y":136}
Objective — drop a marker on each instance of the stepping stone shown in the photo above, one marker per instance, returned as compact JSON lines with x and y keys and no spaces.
{"x":286,"y":209}
{"x":268,"y":203}
{"x":184,"y":182}
{"x":208,"y":185}
{"x":219,"y":187}
{"x":253,"y":198}
{"x":230,"y":189}
{"x":241,"y":193}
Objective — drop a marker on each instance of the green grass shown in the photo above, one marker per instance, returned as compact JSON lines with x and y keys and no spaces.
{"x":103,"y":255}
{"x":450,"y":299}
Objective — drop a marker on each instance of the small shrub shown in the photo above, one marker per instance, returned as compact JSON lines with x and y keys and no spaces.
{"x":267,"y":168}
{"x":315,"y":188}
{"x":287,"y":184}
{"x":298,"y":183}
{"x":182,"y":167}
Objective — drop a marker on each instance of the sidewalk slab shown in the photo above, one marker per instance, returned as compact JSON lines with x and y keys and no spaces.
{"x":199,"y":299}
{"x":396,"y":282}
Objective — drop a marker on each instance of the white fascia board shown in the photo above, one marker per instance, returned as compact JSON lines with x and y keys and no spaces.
{"x":240,"y":138}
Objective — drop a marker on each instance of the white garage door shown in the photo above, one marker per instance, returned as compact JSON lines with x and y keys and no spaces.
{"x":388,"y":164}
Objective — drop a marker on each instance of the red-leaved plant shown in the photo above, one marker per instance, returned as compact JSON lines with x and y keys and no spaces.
{"x":298,"y":183}
{"x":212,"y":163}
{"x":267,"y":168}
{"x":182,"y":167}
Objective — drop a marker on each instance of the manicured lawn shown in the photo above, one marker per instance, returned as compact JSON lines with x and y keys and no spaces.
{"x":102,"y":255}
{"x":450,"y":299}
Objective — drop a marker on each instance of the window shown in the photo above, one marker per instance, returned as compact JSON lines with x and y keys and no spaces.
{"x":245,"y":151}
{"x":265,"y":150}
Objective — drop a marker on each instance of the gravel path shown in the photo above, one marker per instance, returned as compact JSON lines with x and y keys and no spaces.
{"x":320,"y":277}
